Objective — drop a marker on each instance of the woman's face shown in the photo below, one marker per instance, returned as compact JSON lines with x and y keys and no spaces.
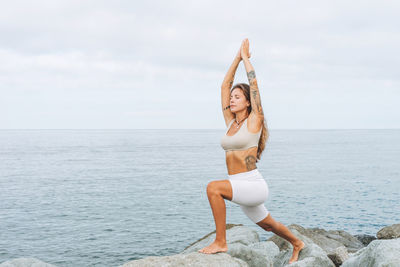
{"x":238,"y":101}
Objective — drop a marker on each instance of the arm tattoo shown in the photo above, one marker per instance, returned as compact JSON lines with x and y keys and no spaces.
{"x":226,"y":107}
{"x":257,"y":101}
{"x":251,"y":75}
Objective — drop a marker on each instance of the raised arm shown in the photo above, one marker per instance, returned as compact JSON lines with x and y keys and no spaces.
{"x":251,"y":75}
{"x":225,"y":90}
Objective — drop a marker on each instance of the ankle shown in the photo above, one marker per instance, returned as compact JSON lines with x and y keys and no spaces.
{"x":220,"y":241}
{"x":297,"y":243}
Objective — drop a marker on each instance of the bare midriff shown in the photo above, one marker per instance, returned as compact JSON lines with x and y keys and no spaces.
{"x":241,"y":160}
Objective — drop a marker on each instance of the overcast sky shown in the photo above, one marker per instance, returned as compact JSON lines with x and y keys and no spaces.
{"x":160,"y":64}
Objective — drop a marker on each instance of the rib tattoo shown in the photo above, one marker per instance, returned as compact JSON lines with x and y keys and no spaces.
{"x":250,"y":162}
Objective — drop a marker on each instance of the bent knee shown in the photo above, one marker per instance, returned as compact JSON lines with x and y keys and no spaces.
{"x":212,"y":188}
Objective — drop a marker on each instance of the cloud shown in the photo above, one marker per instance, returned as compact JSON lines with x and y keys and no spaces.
{"x":166,"y":55}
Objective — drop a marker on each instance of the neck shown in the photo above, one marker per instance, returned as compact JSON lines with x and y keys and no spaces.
{"x":241,"y":115}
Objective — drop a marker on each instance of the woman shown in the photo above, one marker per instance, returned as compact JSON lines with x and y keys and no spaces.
{"x":245,"y":185}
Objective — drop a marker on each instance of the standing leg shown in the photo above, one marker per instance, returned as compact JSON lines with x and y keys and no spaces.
{"x":216,"y":192}
{"x":269,"y":224}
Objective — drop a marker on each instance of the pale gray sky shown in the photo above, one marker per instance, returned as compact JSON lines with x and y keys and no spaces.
{"x":160,"y":64}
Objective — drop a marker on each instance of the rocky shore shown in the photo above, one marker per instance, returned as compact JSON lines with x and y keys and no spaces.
{"x":323,"y":248}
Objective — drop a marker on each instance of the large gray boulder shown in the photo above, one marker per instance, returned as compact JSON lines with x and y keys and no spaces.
{"x":267,"y":248}
{"x":193,"y":259}
{"x":339,"y":255}
{"x":25,"y":262}
{"x":234,"y":234}
{"x":379,"y":253}
{"x":327,"y":240}
{"x":310,"y":256}
{"x":365,"y":239}
{"x":257,"y":254}
{"x":243,"y":243}
{"x":323,"y":249}
{"x":283,"y":244}
{"x":389,"y":232}
{"x":244,"y":249}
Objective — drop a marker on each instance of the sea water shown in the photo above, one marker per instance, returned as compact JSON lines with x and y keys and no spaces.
{"x":105,"y":197}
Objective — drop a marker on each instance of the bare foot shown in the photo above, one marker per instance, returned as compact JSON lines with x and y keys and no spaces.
{"x":296,"y":249}
{"x":214,"y":248}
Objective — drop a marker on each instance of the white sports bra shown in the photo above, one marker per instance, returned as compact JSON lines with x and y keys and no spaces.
{"x":241,"y":140}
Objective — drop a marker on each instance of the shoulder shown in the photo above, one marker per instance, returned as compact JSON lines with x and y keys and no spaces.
{"x":228,"y":120}
{"x":254,"y":123}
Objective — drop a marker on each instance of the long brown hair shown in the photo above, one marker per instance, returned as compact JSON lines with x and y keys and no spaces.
{"x":264,"y":133}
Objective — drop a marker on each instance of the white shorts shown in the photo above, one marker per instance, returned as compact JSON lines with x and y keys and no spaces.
{"x":250,"y":191}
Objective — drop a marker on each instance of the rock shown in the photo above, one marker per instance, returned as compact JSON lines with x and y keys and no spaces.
{"x":191,"y":259}
{"x":257,"y":254}
{"x":379,"y":253}
{"x":268,"y":248}
{"x":389,"y":232}
{"x":25,"y":262}
{"x":339,"y":255}
{"x":327,"y":240}
{"x":234,"y":234}
{"x":365,"y":239}
{"x":310,"y":256}
{"x":243,"y":243}
{"x":349,"y":241}
{"x":323,"y":248}
{"x":283,"y":244}
{"x":244,"y":249}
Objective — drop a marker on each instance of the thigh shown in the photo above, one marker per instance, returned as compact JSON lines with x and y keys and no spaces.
{"x":223,"y":187}
{"x":249,"y":192}
{"x":255,"y":213}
